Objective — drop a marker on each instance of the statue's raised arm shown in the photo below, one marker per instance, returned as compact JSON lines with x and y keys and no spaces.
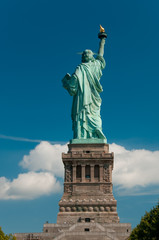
{"x":85,"y":88}
{"x":102,"y":35}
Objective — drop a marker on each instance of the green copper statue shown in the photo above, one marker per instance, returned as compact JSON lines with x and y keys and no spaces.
{"x":85,"y":88}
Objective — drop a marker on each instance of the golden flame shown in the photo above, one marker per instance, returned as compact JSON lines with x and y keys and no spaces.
{"x":102,"y":29}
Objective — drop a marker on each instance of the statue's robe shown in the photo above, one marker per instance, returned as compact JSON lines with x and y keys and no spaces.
{"x":85,"y":88}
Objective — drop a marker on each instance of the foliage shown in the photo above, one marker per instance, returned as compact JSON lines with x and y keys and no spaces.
{"x":4,"y":236}
{"x":148,"y":229}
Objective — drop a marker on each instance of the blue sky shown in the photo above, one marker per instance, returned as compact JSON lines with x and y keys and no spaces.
{"x":38,"y":45}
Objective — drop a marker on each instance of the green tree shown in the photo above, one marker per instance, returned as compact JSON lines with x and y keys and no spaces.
{"x":4,"y":236}
{"x":148,"y":229}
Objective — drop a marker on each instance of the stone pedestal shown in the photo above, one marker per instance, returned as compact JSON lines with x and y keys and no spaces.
{"x":88,"y":185}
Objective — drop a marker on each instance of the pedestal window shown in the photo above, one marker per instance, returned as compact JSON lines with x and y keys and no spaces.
{"x":78,"y":171}
{"x":96,"y":171}
{"x":87,"y":172}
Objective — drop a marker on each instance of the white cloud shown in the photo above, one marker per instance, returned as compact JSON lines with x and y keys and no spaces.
{"x":134,"y":172}
{"x":44,"y":165}
{"x":45,"y":157}
{"x":135,"y":168}
{"x":29,"y":186}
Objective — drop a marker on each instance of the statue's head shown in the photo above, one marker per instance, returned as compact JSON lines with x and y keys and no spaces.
{"x":87,"y":55}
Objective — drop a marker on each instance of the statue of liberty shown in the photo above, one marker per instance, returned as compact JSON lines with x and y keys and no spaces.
{"x":85,"y":88}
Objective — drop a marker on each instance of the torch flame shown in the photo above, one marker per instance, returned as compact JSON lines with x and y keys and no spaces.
{"x":102,"y":29}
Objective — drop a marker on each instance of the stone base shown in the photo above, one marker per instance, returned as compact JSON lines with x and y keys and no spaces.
{"x":98,"y":208}
{"x":80,"y":231}
{"x":87,"y":148}
{"x":100,"y":217}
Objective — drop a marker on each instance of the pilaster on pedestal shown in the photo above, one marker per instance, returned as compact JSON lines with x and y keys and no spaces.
{"x":74,"y":172}
{"x":92,"y":166}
